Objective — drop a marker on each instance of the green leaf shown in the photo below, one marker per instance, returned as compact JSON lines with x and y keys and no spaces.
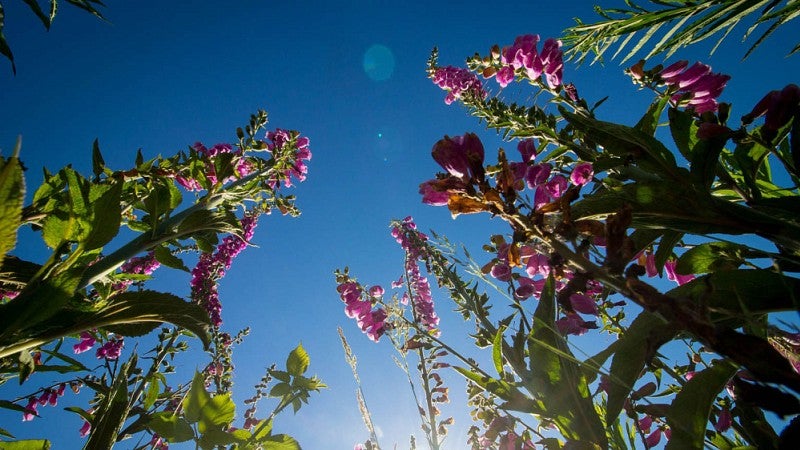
{"x":217,"y":412}
{"x":5,"y":50}
{"x":635,"y":348}
{"x":81,"y":412}
{"x":557,"y":379}
{"x":12,"y":195}
{"x":497,"y":351}
{"x":280,"y":442}
{"x":140,"y":307}
{"x":152,"y":391}
{"x":649,"y":122}
{"x":732,"y":295}
{"x":106,"y":215}
{"x":12,"y":406}
{"x":619,"y":140}
{"x":216,"y":437}
{"x":688,"y":415}
{"x":26,"y":366}
{"x":113,"y":411}
{"x":196,"y":399}
{"x":705,"y":159}
{"x":683,"y":127}
{"x":98,"y":164}
{"x":298,"y":361}
{"x":715,"y":256}
{"x":30,"y":444}
{"x":262,"y":429}
{"x":171,"y":426}
{"x":280,"y":389}
{"x":165,"y":257}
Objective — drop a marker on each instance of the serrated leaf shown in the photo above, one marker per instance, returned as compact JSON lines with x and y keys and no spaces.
{"x":217,"y":412}
{"x":280,"y":389}
{"x":298,"y":361}
{"x":171,"y":426}
{"x":280,"y":442}
{"x":196,"y":399}
{"x":688,"y":414}
{"x":106,"y":215}
{"x":12,"y":195}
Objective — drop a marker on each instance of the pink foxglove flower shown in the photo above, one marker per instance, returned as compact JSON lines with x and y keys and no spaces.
{"x":581,"y":174}
{"x":694,"y":87}
{"x":112,"y":349}
{"x":30,"y":410}
{"x":672,"y":275}
{"x":653,"y":438}
{"x":461,"y":156}
{"x":86,"y":343}
{"x":458,"y":81}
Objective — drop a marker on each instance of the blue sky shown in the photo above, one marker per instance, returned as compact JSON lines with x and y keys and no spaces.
{"x":162,"y":75}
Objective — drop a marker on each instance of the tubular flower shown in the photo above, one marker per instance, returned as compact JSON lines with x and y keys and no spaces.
{"x":523,"y":55}
{"x":112,"y":349}
{"x":461,"y":156}
{"x":406,"y":234}
{"x":672,"y":275}
{"x":695,"y":87}
{"x":212,"y":267}
{"x":86,"y":343}
{"x":243,"y":167}
{"x":139,"y":265}
{"x":458,"y":81}
{"x":30,"y":410}
{"x":286,"y":140}
{"x":778,"y":107}
{"x":371,"y":321}
{"x":581,"y":174}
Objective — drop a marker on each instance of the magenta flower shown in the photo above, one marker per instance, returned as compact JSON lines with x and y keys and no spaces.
{"x":458,"y":81}
{"x":112,"y":349}
{"x":724,"y":420}
{"x":694,"y":87}
{"x":85,"y":429}
{"x":139,"y":265}
{"x":778,"y":107}
{"x":86,"y":343}
{"x":653,"y":438}
{"x":681,"y":279}
{"x":538,"y":175}
{"x":650,"y":264}
{"x":572,"y":324}
{"x":527,"y":148}
{"x":406,"y":234}
{"x":212,"y":267}
{"x":505,"y":76}
{"x":524,"y":55}
{"x":583,"y":304}
{"x":645,"y":423}
{"x":371,"y":322}
{"x":30,"y":410}
{"x":581,"y":174}
{"x":461,"y":156}
{"x":286,"y":140}
{"x":556,"y":186}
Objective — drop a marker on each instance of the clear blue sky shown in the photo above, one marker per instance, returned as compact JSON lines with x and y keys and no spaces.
{"x":160,"y":75}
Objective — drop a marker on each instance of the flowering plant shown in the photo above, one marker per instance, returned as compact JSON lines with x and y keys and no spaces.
{"x":596,"y":211}
{"x":96,"y":295}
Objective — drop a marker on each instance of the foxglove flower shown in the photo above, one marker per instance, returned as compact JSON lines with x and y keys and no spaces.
{"x":461,"y":156}
{"x":86,"y":343}
{"x":458,"y":81}
{"x":694,"y":87}
{"x":581,"y":174}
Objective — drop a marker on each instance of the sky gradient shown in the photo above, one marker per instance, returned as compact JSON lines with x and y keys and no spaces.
{"x":349,"y":75}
